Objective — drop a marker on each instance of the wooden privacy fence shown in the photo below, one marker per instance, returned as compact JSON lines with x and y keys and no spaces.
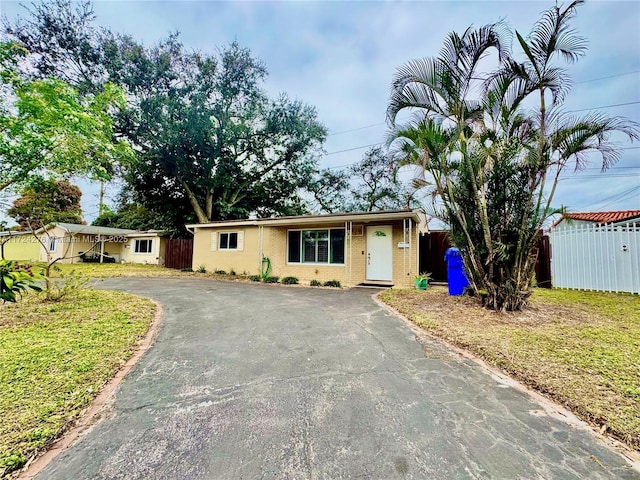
{"x":434,"y":244}
{"x":597,"y":257}
{"x":179,"y":253}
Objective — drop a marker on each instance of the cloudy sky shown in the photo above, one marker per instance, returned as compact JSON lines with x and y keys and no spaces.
{"x":341,"y":57}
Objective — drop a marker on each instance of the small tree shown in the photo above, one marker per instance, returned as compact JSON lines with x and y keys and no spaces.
{"x":56,"y":200}
{"x":493,"y":164}
{"x":48,"y":129}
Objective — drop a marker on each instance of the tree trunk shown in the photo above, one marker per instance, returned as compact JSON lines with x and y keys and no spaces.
{"x":200,"y":213}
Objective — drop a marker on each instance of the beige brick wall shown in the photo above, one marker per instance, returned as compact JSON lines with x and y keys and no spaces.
{"x":274,"y":246}
{"x":245,"y":261}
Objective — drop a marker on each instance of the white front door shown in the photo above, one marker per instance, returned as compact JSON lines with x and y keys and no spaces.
{"x":379,"y":253}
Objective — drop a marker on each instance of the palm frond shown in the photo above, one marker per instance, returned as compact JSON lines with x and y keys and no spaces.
{"x":573,"y":137}
{"x":552,"y":34}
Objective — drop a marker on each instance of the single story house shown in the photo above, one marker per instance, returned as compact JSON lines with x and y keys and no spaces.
{"x":597,"y":251}
{"x":72,"y":243}
{"x":353,"y":248}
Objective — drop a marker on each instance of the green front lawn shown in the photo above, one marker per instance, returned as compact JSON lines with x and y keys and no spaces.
{"x":54,"y":358}
{"x":107,"y":270}
{"x":580,"y":348}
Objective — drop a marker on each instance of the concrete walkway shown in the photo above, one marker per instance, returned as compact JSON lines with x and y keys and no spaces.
{"x":250,"y":381}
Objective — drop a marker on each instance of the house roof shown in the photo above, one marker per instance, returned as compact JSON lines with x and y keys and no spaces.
{"x":148,"y":233}
{"x":86,"y":229}
{"x":13,"y":233}
{"x":384,"y":215}
{"x":601,"y":217}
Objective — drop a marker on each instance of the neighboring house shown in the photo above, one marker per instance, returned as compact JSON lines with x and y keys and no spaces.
{"x":597,"y":251}
{"x":353,"y":248}
{"x":145,"y":247}
{"x":71,"y":243}
{"x":16,"y":245}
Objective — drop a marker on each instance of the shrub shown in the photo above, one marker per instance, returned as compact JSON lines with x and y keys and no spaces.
{"x":232,"y":272}
{"x":67,"y":283}
{"x":290,"y":281}
{"x":202,"y":269}
{"x":332,"y":283}
{"x":15,"y":279}
{"x":271,"y":279}
{"x":315,"y":283}
{"x":186,"y":269}
{"x":255,"y":278}
{"x":220,"y":272}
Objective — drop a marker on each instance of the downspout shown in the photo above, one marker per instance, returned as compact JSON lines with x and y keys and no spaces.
{"x":350,"y":253}
{"x":346,"y":265}
{"x":410,"y":244}
{"x":404,"y":250}
{"x":260,"y":247}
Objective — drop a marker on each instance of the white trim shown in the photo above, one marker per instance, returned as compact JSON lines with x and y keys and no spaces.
{"x":324,"y":264}
{"x":239,"y":240}
{"x":416,"y":215}
{"x":135,"y":244}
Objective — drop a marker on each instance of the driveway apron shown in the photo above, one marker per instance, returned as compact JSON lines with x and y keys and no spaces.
{"x":251,"y":381}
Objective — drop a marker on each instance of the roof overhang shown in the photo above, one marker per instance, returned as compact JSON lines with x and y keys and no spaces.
{"x":150,"y":233}
{"x":358,"y":217}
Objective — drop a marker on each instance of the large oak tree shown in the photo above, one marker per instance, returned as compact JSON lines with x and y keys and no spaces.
{"x":206,"y":133}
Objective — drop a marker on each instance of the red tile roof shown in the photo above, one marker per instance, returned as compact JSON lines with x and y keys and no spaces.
{"x":603,"y":217}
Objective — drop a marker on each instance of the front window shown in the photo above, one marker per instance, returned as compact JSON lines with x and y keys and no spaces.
{"x":52,"y":244}
{"x":316,"y":246}
{"x":143,"y":246}
{"x":228,"y":241}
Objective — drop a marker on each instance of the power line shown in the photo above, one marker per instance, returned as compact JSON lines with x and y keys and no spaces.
{"x":356,"y":129}
{"x":617,"y":198}
{"x":354,"y":148}
{"x":605,"y":106}
{"x":383,"y":123}
{"x":605,"y":78}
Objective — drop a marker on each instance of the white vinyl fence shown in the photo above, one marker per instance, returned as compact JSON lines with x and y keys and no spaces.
{"x":596,"y":257}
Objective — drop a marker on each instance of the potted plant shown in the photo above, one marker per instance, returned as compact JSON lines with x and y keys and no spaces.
{"x":421,"y":281}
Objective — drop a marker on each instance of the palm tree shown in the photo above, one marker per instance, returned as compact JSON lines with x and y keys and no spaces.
{"x":494,"y":165}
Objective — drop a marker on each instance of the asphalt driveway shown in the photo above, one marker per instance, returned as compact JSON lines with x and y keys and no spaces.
{"x":250,"y":381}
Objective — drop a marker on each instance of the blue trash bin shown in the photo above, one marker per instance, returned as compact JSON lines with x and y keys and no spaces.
{"x":456,"y":277}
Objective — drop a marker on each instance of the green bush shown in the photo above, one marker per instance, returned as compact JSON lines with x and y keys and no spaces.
{"x":255,"y":278}
{"x":202,"y":269}
{"x":68,"y":283}
{"x":271,"y":279}
{"x":15,"y":279}
{"x":186,"y":270}
{"x":290,"y":281}
{"x":232,"y":272}
{"x":315,"y":283}
{"x":332,"y":283}
{"x":221,"y":272}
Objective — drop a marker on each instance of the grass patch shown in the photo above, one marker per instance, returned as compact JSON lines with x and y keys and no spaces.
{"x":54,"y":358}
{"x":108,"y":270}
{"x":580,"y":348}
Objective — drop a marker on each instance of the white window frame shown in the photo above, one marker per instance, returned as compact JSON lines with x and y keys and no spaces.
{"x":324,"y":264}
{"x":136,"y":243}
{"x":216,"y":241}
